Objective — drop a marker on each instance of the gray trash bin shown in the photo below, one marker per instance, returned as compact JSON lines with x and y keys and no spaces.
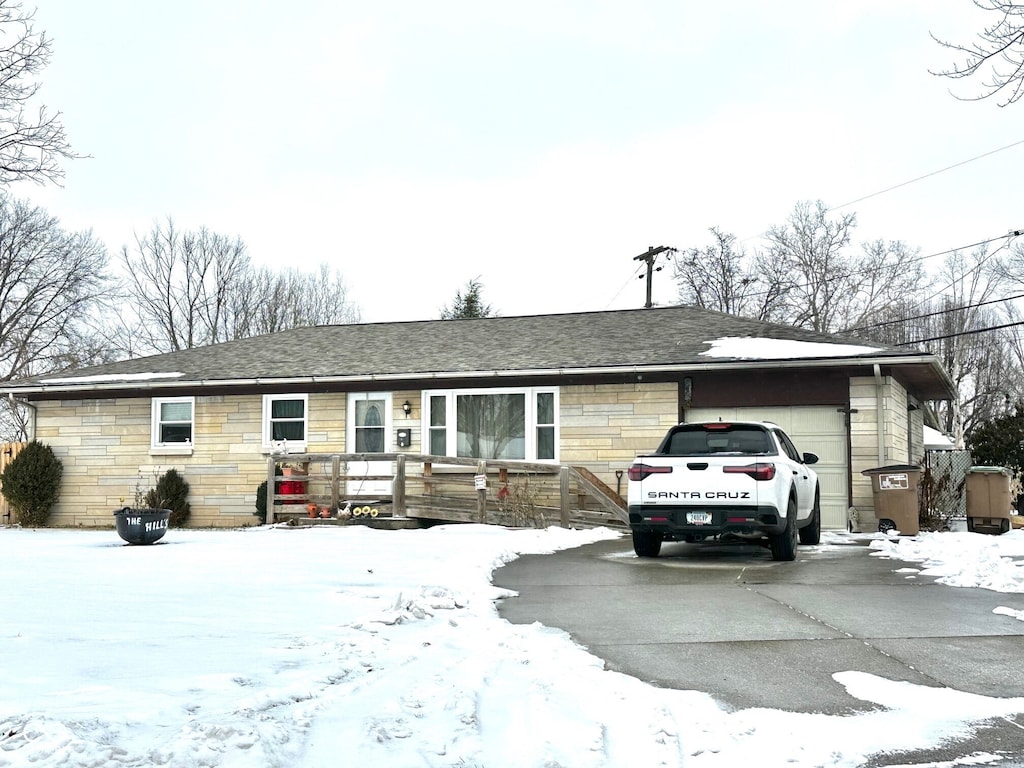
{"x":894,"y":490}
{"x":988,"y":500}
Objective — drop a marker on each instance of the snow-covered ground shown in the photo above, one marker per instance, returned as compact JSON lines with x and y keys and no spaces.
{"x":351,"y":646}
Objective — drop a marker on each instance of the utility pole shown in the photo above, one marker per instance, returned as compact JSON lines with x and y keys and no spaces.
{"x":649,"y":257}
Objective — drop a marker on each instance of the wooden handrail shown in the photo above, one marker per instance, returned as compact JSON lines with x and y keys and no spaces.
{"x":587,"y":484}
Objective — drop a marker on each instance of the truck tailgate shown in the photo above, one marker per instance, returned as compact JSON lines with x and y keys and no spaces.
{"x":697,"y":482}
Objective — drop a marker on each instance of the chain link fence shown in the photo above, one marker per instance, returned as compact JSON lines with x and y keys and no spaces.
{"x":942,"y":492}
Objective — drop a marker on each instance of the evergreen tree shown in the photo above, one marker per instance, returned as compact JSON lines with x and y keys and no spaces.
{"x":468,"y":303}
{"x":31,"y":483}
{"x":1000,"y":442}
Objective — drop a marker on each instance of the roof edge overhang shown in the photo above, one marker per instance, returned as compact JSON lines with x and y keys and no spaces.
{"x":639,"y":371}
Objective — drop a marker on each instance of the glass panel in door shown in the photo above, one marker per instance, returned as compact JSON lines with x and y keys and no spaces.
{"x":369,"y":418}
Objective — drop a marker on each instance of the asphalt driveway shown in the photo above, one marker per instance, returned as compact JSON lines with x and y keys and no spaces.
{"x":752,"y":632}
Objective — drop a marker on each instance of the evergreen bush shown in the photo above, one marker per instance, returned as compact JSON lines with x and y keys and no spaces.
{"x":261,"y":502}
{"x":170,"y":493}
{"x":31,"y":483}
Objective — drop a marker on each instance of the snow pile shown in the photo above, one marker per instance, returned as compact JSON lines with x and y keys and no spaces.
{"x":350,"y":646}
{"x":762,"y":348}
{"x":962,"y":559}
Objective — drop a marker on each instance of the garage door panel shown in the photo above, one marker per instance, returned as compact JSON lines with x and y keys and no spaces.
{"x":829,"y":450}
{"x":831,"y":485}
{"x":821,"y":420}
{"x":815,"y":429}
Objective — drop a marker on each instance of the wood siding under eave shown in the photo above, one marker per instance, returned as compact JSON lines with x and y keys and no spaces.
{"x":765,"y":387}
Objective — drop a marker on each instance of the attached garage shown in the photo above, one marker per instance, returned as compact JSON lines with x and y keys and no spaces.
{"x":814,"y":429}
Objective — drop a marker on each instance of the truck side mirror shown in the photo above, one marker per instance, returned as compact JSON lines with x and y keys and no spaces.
{"x":810,"y":458}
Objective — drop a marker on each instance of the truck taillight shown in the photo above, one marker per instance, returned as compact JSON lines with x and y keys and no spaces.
{"x":758,"y":471}
{"x":640,"y":471}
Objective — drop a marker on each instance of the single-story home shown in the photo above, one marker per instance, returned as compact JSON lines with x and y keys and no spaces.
{"x":588,"y":389}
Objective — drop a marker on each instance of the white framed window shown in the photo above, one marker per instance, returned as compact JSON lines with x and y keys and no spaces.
{"x":509,"y":423}
{"x":173,"y":426}
{"x":286,"y":420}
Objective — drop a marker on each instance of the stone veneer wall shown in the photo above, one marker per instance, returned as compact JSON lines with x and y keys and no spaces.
{"x":604,"y":426}
{"x":864,"y":442}
{"x":104,"y":445}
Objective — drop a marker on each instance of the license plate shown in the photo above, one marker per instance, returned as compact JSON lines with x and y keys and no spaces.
{"x":698,"y":518}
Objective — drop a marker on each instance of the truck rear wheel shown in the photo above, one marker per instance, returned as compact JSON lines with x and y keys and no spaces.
{"x":646,"y":543}
{"x":784,"y":544}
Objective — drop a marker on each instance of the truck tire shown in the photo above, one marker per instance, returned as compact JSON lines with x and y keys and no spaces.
{"x":784,"y":544}
{"x":646,"y":543}
{"x":811,"y":533}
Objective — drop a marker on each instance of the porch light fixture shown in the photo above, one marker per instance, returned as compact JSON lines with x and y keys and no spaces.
{"x":407,"y":407}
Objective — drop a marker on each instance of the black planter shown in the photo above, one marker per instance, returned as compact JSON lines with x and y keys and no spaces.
{"x":141,"y":526}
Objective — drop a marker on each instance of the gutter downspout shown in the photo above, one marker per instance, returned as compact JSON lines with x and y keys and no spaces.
{"x":879,"y":415}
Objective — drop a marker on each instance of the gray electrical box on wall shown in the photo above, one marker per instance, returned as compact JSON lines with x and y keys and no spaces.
{"x":404,"y":438}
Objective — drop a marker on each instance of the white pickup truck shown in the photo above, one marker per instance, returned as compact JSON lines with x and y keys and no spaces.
{"x":725,"y":479}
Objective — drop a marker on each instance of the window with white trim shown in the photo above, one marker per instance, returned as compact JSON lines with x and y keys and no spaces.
{"x":509,"y":423}
{"x":173,"y":422}
{"x":285,"y":420}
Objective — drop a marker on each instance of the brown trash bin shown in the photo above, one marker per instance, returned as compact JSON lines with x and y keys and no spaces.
{"x":894,"y":491}
{"x":988,"y":500}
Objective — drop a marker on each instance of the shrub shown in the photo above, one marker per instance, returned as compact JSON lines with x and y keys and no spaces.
{"x":261,"y":502}
{"x":31,"y":483}
{"x":517,"y":504}
{"x":170,"y":493}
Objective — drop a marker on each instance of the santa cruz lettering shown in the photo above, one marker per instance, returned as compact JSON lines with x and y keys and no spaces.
{"x":698,"y":494}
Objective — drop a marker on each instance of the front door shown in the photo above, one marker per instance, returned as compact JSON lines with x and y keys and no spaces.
{"x":369,"y":431}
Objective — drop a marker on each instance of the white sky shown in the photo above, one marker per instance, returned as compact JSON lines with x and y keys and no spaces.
{"x":539,"y":145}
{"x":275,"y":647}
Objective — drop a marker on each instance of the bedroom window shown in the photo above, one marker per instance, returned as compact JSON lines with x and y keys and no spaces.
{"x":285,"y":420}
{"x":173,"y":422}
{"x":493,"y":424}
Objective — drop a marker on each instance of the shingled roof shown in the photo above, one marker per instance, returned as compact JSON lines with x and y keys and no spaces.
{"x":669,"y":338}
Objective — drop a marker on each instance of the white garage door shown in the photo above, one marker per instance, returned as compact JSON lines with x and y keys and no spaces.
{"x":814,"y":429}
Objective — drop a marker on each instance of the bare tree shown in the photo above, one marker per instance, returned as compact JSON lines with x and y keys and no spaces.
{"x":996,"y":55}
{"x":51,"y":281}
{"x":826,"y":287}
{"x":809,"y":251}
{"x":226,"y":262}
{"x":977,"y":361}
{"x":167,"y":279}
{"x":885,"y":274}
{"x":1013,"y":336}
{"x":32,"y":139}
{"x":720,"y":276}
{"x":192,"y":288}
{"x":268,"y":301}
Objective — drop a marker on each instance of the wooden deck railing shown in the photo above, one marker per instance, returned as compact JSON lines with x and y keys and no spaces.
{"x":444,"y":488}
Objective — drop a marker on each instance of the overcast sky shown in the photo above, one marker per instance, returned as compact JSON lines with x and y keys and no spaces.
{"x":538,"y":146}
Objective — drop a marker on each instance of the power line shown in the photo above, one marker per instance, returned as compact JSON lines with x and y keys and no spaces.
{"x":960,"y":333}
{"x":638,"y":272}
{"x":911,"y":181}
{"x":972,"y":270}
{"x":933,"y":314}
{"x":1014,"y":233}
{"x":928,"y":175}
